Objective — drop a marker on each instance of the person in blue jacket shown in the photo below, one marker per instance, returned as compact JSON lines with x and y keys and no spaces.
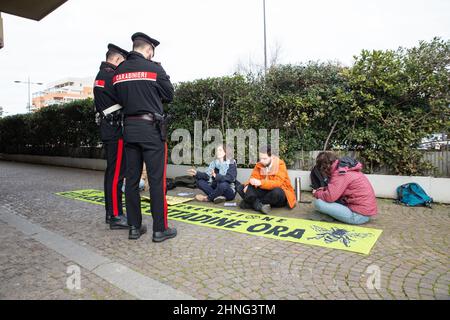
{"x":219,"y":180}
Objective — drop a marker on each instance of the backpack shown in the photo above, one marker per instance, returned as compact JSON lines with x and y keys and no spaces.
{"x":185,"y":181}
{"x":412,"y":194}
{"x":170,"y":184}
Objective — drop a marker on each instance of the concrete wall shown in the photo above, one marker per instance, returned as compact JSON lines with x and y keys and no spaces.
{"x":82,"y":163}
{"x":384,"y":185}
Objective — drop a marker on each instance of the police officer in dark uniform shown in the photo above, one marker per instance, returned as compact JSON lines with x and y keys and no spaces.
{"x":142,"y":86}
{"x":109,"y":118}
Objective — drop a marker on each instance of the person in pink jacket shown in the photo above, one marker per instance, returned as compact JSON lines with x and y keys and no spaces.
{"x":349,"y":197}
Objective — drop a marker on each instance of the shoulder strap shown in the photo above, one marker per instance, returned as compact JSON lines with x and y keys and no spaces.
{"x":418,"y":195}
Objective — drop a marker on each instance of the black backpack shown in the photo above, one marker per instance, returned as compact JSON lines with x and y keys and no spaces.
{"x":170,"y":184}
{"x":185,"y":181}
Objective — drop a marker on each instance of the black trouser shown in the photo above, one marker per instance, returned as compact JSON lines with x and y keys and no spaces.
{"x":154,"y":154}
{"x":114,"y":174}
{"x":256,"y":196}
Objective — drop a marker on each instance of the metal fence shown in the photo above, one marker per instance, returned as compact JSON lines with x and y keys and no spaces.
{"x":440,"y":160}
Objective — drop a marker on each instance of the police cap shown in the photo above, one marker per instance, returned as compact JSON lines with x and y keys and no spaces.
{"x":119,"y":50}
{"x":146,"y":38}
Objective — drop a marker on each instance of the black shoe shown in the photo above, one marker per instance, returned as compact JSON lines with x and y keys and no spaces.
{"x":219,"y":199}
{"x":135,"y":232}
{"x":160,"y":236}
{"x":263,"y":208}
{"x":245,"y":205}
{"x":108,"y":219}
{"x":118,"y":223}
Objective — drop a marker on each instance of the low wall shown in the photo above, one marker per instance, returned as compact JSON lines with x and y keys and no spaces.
{"x":384,"y":185}
{"x":81,"y":163}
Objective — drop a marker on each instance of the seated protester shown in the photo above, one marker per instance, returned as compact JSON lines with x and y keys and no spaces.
{"x":218,"y":182}
{"x":269,"y":185}
{"x":348,"y":196}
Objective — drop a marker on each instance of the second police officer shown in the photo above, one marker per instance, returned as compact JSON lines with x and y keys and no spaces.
{"x":109,"y":112}
{"x":142,"y":86}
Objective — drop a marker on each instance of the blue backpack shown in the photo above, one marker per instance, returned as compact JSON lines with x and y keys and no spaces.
{"x":411,"y":194}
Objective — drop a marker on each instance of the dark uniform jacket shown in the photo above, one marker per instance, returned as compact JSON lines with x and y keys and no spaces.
{"x":141,"y":86}
{"x":104,"y":97}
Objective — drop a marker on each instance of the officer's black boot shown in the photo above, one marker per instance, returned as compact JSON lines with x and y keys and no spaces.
{"x":108,"y":218}
{"x":135,"y":232}
{"x":164,"y":235}
{"x":119,"y":222}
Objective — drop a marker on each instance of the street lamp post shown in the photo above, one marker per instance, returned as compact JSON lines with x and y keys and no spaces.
{"x":29,"y":83}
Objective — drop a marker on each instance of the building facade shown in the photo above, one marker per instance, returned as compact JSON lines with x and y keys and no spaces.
{"x":63,"y":91}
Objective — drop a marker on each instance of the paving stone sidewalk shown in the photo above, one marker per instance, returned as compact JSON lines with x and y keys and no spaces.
{"x":29,"y":270}
{"x":412,"y":253}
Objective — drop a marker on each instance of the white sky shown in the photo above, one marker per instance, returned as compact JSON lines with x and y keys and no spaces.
{"x":206,"y":38}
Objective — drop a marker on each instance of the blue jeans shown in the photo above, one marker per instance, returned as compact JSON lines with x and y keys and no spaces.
{"x":340,"y":212}
{"x":221,"y":189}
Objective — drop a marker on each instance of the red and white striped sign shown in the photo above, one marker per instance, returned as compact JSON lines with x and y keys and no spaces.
{"x":134,"y":76}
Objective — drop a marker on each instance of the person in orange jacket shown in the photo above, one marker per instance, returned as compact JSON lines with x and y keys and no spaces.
{"x":269,"y":184}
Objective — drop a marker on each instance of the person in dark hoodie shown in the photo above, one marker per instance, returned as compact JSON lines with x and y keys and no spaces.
{"x":348,"y":197}
{"x":218,"y":182}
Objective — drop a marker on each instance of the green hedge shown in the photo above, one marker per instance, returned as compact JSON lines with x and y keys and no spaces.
{"x":382,"y":106}
{"x":55,"y":130}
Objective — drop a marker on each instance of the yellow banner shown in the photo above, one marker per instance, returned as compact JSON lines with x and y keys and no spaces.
{"x":171,"y":200}
{"x":324,"y":234}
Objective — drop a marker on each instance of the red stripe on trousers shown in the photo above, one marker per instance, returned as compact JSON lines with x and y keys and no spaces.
{"x":116,"y":177}
{"x":164,"y":187}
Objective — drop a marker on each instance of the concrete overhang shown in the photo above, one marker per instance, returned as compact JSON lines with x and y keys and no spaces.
{"x":30,"y":9}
